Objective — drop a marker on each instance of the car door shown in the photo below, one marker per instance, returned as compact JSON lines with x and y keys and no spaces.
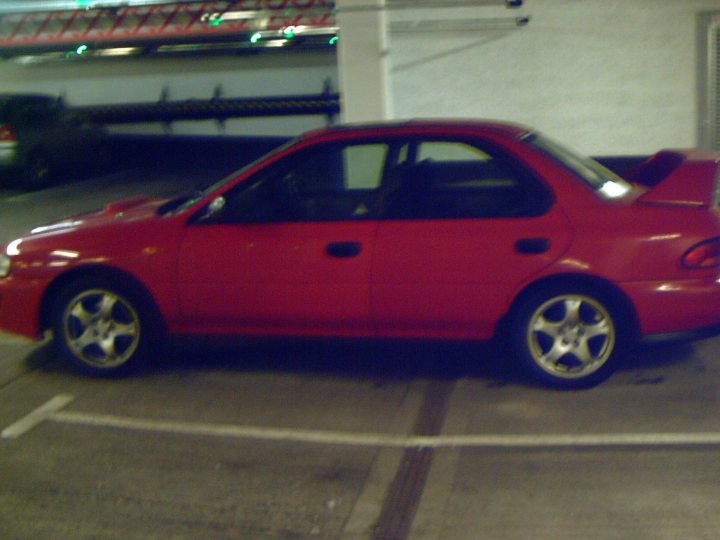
{"x":465,"y":226}
{"x":291,"y":250}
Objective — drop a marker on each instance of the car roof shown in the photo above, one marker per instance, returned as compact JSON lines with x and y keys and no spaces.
{"x":419,"y":125}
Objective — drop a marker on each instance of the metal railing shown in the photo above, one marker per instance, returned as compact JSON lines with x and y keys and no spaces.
{"x":218,"y":108}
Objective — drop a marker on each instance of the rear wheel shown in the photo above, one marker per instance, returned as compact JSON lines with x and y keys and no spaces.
{"x":567,"y":338}
{"x":101,"y":329}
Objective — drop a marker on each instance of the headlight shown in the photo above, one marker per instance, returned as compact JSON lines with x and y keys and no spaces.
{"x":4,"y":265}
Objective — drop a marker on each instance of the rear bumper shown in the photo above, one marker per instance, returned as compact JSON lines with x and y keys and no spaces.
{"x":688,"y":335}
{"x":676,"y":308}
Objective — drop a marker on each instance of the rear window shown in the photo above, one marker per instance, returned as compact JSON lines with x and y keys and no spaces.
{"x":606,"y":183}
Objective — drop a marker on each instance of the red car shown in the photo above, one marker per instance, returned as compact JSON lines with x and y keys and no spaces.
{"x":449,"y":230}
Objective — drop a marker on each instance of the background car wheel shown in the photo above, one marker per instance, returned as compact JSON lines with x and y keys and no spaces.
{"x":101,"y":329}
{"x":37,"y":171}
{"x":567,"y":338}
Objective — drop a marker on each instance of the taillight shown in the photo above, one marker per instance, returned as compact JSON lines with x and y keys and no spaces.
{"x":704,"y":254}
{"x":7,"y":133}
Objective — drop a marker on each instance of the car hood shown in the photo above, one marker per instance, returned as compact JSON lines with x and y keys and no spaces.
{"x":129,"y":234}
{"x":116,"y":213}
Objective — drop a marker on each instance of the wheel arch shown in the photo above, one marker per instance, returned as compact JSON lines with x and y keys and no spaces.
{"x":125,"y":281}
{"x":618,"y":301}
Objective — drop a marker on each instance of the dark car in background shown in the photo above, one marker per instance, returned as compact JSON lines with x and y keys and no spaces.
{"x":40,"y":139}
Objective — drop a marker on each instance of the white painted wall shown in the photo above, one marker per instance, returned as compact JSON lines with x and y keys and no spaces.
{"x":143,"y":80}
{"x":606,"y":76}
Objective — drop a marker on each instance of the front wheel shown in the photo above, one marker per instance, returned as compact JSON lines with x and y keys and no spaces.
{"x":567,"y":338}
{"x":99,"y":328}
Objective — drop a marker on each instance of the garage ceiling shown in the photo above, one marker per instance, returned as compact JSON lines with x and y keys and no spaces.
{"x":69,"y":29}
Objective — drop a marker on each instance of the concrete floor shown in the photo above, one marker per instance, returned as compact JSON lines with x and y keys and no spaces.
{"x":329,"y":439}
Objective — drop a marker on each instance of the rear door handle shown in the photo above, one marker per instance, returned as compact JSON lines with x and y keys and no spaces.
{"x":532,"y":246}
{"x":343,"y":250}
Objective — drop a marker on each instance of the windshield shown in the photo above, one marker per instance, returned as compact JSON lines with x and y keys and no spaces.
{"x":185,"y":202}
{"x":605,"y":182}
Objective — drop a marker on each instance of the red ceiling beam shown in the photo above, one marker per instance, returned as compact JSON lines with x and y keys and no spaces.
{"x":162,"y":22}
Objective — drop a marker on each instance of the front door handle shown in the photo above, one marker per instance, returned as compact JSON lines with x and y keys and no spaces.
{"x":532,"y":246}
{"x":343,"y":250}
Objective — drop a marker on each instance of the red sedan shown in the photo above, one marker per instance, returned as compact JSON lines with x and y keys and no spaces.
{"x":450,"y":230}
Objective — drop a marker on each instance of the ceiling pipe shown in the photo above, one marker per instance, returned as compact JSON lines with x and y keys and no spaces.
{"x":427,"y":4}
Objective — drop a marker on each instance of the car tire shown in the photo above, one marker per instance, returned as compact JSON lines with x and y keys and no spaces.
{"x":102,"y":329}
{"x":567,"y":338}
{"x":37,"y":171}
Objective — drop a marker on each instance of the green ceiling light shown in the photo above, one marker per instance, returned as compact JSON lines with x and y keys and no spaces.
{"x":289,"y":32}
{"x":81,"y":50}
{"x":333,"y":40}
{"x":257,"y":36}
{"x":84,"y":4}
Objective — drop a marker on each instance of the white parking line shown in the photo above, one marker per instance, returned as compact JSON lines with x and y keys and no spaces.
{"x":39,"y":415}
{"x":390,"y":440}
{"x":51,"y":411}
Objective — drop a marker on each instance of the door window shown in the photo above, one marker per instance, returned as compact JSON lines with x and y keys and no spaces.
{"x":457,"y":179}
{"x":330,"y":183}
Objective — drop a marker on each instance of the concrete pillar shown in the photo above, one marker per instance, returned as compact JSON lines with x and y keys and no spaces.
{"x":363,"y":59}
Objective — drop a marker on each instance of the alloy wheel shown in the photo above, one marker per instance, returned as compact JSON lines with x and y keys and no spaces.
{"x":101,"y":328}
{"x":571,"y":336}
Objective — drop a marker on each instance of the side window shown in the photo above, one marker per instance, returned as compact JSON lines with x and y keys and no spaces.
{"x":457,"y":179}
{"x":331,"y":183}
{"x":340,"y":170}
{"x":450,"y":151}
{"x":364,"y":165}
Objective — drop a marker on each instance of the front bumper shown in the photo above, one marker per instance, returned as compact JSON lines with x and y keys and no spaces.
{"x":20,"y":302}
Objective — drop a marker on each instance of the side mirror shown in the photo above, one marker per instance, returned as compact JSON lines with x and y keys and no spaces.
{"x":214,"y":208}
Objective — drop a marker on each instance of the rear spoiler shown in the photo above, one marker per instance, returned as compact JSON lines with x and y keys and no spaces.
{"x":678,"y":178}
